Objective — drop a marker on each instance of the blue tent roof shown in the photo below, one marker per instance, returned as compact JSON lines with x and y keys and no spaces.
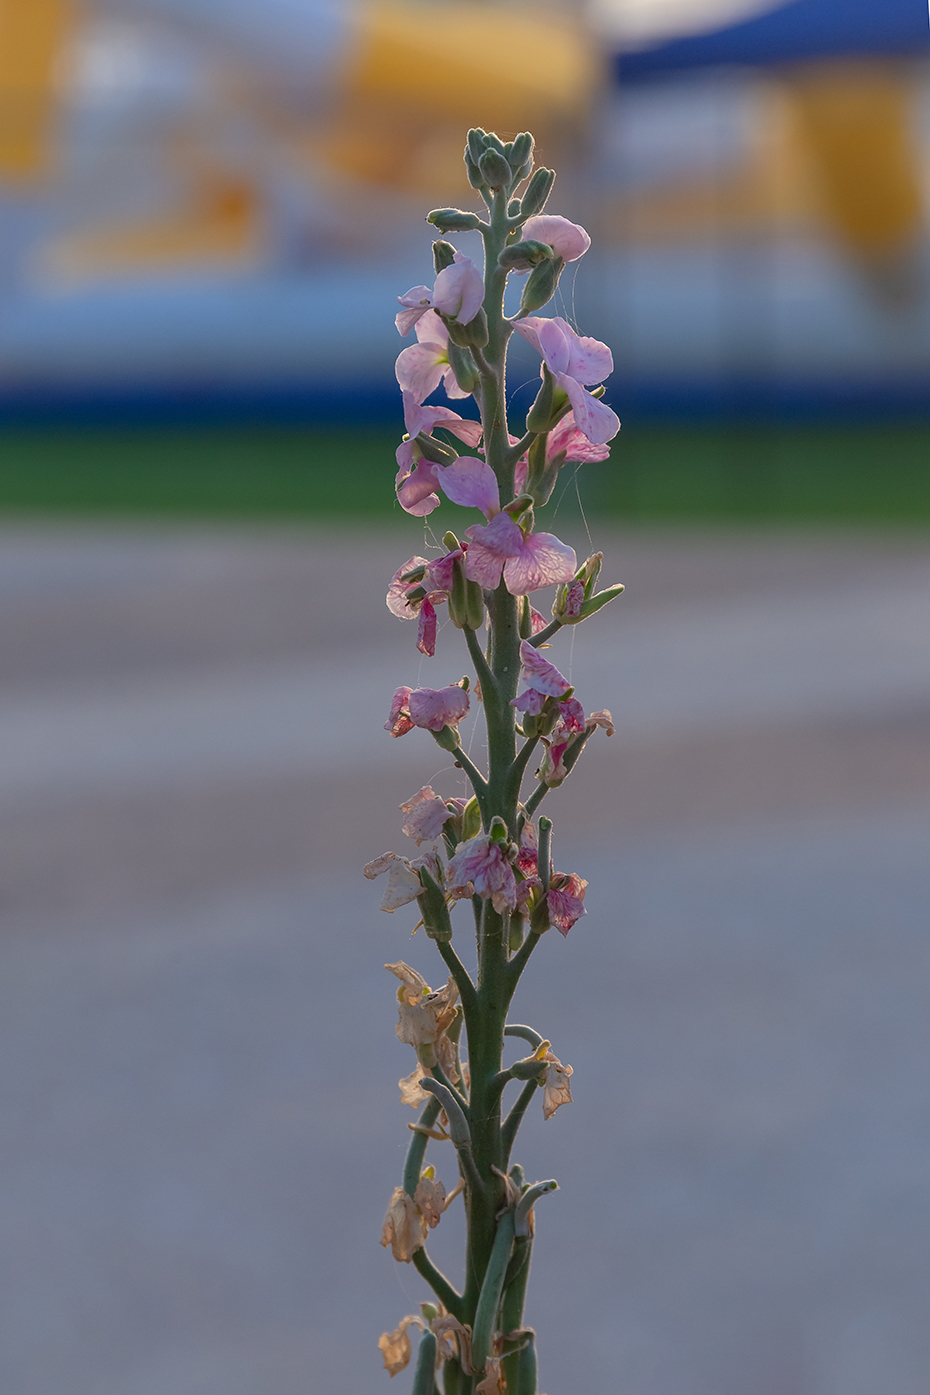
{"x":799,"y":30}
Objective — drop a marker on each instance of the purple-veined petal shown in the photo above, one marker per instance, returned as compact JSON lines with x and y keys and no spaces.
{"x":555,"y":345}
{"x":470,"y":483}
{"x":589,"y":360}
{"x":542,"y":561}
{"x":435,"y":708}
{"x":567,"y":437}
{"x":440,"y":572}
{"x":531,"y":702}
{"x":426,"y":630}
{"x":491,"y":544}
{"x":416,"y":492}
{"x":539,"y":673}
{"x":396,"y":598}
{"x":529,"y":329}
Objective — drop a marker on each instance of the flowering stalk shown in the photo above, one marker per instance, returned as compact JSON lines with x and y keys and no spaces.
{"x":487,"y":850}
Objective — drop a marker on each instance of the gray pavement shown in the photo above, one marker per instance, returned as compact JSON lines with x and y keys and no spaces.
{"x":201,"y":1121}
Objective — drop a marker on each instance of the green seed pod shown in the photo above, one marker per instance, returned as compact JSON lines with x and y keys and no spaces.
{"x":537,"y":192}
{"x":525,"y":1374}
{"x":495,"y":171}
{"x":424,"y":1381}
{"x":458,"y":596}
{"x":433,"y":908}
{"x":443,"y":255}
{"x":474,"y":605}
{"x":526,"y":618}
{"x":436,"y":452}
{"x":541,"y":283}
{"x":522,"y":256}
{"x":452,"y":220}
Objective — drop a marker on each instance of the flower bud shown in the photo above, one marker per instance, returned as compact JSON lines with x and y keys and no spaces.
{"x":537,"y":192}
{"x":513,"y":208}
{"x":463,"y":366}
{"x":541,"y":284}
{"x":447,"y":738}
{"x":471,"y":820}
{"x":473,"y":172}
{"x":498,"y":830}
{"x":522,"y":256}
{"x":539,"y":417}
{"x":443,"y":255}
{"x":475,"y":146}
{"x":521,"y":150}
{"x":495,"y":170}
{"x":474,"y":334}
{"x":492,"y":141}
{"x":452,"y":220}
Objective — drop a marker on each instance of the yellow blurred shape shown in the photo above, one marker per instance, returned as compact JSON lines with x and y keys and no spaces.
{"x":854,"y":120}
{"x":423,"y":73}
{"x":32,"y":34}
{"x":221,"y":225}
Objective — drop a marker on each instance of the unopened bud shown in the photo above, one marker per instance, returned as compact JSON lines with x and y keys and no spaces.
{"x":471,"y":819}
{"x":492,"y":141}
{"x":522,"y":256}
{"x":452,"y":220}
{"x":463,"y":366}
{"x":495,"y":170}
{"x":433,"y":907}
{"x":541,"y":284}
{"x":443,"y":255}
{"x":498,"y":830}
{"x":537,"y":192}
{"x":513,"y":208}
{"x":521,"y":150}
{"x":475,"y":146}
{"x":473,"y":172}
{"x":472,"y":335}
{"x":539,"y":417}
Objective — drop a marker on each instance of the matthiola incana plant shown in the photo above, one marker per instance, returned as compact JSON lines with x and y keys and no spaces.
{"x":490,"y":851}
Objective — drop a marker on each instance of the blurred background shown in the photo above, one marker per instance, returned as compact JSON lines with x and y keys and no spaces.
{"x":207,"y":209}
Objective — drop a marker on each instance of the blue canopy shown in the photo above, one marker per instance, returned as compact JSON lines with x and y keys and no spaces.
{"x":799,"y":30}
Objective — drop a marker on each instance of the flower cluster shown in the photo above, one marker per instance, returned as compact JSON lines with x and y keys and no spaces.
{"x":487,"y":851}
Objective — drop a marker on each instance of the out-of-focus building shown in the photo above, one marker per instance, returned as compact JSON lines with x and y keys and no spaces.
{"x":211,"y":204}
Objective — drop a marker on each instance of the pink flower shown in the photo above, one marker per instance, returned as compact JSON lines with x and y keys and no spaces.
{"x":566,"y":900}
{"x":526,"y":561}
{"x":575,"y":361}
{"x":426,"y":814}
{"x":431,"y":708}
{"x":567,"y":437}
{"x":426,"y":628}
{"x":540,"y":674}
{"x":458,"y":293}
{"x":423,"y":366}
{"x":567,"y":240}
{"x":416,"y":479}
{"x":482,"y":862}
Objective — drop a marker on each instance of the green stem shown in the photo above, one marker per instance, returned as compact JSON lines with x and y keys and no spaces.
{"x":417,"y":1150}
{"x":545,"y":634}
{"x":515,"y":1118}
{"x":461,"y":978}
{"x":489,"y":1301}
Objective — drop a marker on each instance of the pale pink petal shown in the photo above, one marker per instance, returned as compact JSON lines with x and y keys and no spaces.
{"x":531,"y":702}
{"x":467,"y":431}
{"x":396,"y":598}
{"x":419,"y":369}
{"x":403,"y":886}
{"x":520,"y":474}
{"x":470,"y":483}
{"x":567,"y":437}
{"x":416,"y":492}
{"x":426,"y":815}
{"x":568,"y":240}
{"x":416,"y":302}
{"x":593,"y":417}
{"x":566,"y":901}
{"x":481,"y":861}
{"x":435,"y":708}
{"x":491,"y":544}
{"x":529,"y":329}
{"x":426,"y":630}
{"x":539,"y":673}
{"x":441,"y":572}
{"x":589,"y":360}
{"x":459,"y":290}
{"x":554,"y":344}
{"x":451,"y":386}
{"x":430,"y":329}
{"x":543,"y":560}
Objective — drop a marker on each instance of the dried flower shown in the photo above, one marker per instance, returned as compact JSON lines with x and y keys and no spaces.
{"x":404,"y":1227}
{"x":396,"y":1347}
{"x":556,"y":1089}
{"x":430,"y":1196}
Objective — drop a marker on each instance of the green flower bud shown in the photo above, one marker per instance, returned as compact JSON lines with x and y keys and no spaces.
{"x":474,"y":334}
{"x":493,"y":141}
{"x":537,"y":192}
{"x":495,"y":171}
{"x":463,"y":366}
{"x":540,"y":284}
{"x":475,"y":146}
{"x":521,"y":151}
{"x":450,"y":542}
{"x":513,"y":208}
{"x":498,"y":830}
{"x":452,"y":220}
{"x":539,"y":417}
{"x":473,"y":172}
{"x":522,"y":256}
{"x":443,"y":255}
{"x":526,"y":623}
